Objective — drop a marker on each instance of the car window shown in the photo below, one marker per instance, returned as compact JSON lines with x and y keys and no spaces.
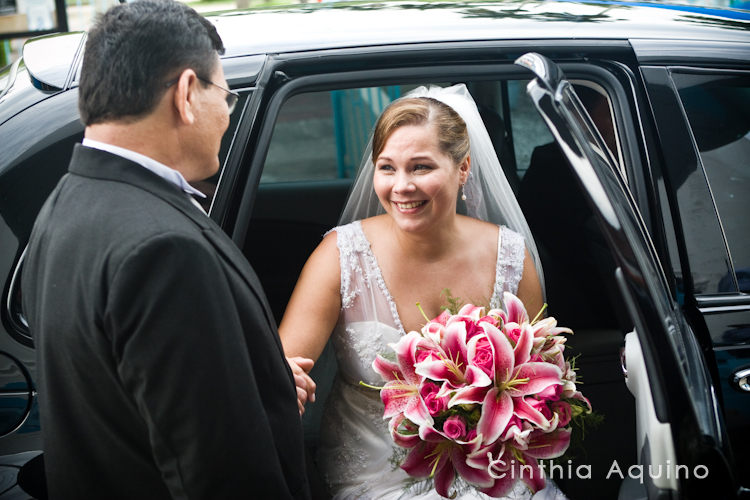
{"x":322,"y":135}
{"x":718,"y":110}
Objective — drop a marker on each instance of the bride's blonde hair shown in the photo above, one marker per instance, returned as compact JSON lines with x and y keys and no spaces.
{"x":453,"y":138}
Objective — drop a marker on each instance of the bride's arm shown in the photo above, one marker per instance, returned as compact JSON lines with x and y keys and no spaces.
{"x":529,"y":288}
{"x":313,"y":309}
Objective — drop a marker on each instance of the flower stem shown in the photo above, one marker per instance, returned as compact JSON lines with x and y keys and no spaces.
{"x":419,"y":306}
{"x":370,"y":386}
{"x":539,"y":314}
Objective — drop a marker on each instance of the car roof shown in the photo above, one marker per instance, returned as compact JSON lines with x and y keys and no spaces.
{"x":339,"y":25}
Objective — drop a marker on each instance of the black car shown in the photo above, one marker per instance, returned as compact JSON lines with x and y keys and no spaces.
{"x":624,"y":130}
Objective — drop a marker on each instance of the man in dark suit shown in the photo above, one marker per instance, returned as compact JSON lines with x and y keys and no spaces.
{"x":160,"y":369}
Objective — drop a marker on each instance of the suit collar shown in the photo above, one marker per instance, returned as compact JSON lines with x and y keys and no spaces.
{"x":98,"y":164}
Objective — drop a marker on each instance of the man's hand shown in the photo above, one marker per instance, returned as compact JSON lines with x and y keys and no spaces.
{"x":305,"y":385}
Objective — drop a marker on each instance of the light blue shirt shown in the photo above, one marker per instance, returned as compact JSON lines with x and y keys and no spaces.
{"x":163,"y":171}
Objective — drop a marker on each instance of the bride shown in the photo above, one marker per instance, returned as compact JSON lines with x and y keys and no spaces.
{"x":403,"y":241}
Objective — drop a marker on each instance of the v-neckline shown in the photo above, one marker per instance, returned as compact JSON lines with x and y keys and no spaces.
{"x":384,"y":286}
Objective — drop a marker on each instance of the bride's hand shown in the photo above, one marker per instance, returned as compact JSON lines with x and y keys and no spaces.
{"x":305,"y":385}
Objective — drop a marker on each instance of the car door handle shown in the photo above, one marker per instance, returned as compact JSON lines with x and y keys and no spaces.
{"x":741,"y":379}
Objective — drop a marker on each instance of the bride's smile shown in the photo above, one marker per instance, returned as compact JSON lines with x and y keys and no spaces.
{"x":417,"y":183}
{"x":408,"y":206}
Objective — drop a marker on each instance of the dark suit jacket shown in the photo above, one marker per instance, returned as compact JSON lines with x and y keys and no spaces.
{"x":161,"y":370}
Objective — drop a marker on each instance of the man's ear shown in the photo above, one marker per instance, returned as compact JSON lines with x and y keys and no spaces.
{"x":184,"y":96}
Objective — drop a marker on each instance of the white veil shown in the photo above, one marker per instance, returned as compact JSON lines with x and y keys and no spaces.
{"x":489,"y":197}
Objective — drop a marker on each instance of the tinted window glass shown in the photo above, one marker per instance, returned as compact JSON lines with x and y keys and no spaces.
{"x":718,"y":109}
{"x":322,"y":135}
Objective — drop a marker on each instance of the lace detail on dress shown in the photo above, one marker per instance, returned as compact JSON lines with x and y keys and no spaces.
{"x":350,"y":246}
{"x":365,"y":345}
{"x":354,"y":253}
{"x":509,"y":267}
{"x":351,"y":456}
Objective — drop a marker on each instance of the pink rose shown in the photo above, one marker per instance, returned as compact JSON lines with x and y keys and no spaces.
{"x":427,"y":388}
{"x":484,"y":358}
{"x":488,"y":319}
{"x":551,"y":393}
{"x":454,"y":427}
{"x":540,"y":406}
{"x":435,"y":405}
{"x":513,"y":331}
{"x":563,"y":412}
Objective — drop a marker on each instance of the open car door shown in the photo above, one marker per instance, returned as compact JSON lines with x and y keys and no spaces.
{"x":681,"y":440}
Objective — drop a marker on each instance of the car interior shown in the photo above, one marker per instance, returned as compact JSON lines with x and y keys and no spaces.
{"x":304,"y":188}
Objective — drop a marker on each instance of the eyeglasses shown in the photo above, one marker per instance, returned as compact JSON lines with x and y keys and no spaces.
{"x":231,"y":98}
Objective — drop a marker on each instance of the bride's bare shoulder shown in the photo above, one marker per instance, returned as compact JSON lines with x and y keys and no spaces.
{"x":375,"y":224}
{"x":478,"y":228}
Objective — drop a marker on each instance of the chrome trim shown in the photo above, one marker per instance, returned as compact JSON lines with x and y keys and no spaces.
{"x":18,"y":316}
{"x":741,"y":379}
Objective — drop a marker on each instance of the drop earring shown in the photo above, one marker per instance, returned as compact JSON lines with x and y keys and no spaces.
{"x":463,"y":192}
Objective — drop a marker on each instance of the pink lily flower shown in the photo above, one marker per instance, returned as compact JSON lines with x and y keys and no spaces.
{"x":456,"y":366}
{"x":547,"y":327}
{"x":507,"y":463}
{"x":515,"y":310}
{"x":404,"y":432}
{"x":442,"y":318}
{"x":471,"y":311}
{"x":440,"y":457}
{"x":401,"y":391}
{"x":515,"y":377}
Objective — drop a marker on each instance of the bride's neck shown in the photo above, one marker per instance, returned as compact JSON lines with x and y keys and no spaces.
{"x":431,"y":244}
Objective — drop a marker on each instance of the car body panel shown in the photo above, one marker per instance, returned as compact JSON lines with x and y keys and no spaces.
{"x":309,"y":27}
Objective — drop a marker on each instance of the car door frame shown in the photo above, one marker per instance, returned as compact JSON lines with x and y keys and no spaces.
{"x":680,"y":391}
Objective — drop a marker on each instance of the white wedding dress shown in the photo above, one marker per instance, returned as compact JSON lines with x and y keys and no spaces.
{"x":356,"y":453}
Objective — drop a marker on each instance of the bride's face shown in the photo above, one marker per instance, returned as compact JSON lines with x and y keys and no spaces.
{"x":415,"y":181}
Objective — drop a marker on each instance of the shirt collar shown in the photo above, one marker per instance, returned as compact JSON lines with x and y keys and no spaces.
{"x":163,"y":171}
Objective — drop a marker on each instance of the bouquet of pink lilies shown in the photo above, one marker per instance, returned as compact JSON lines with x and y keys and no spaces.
{"x":481,"y":395}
